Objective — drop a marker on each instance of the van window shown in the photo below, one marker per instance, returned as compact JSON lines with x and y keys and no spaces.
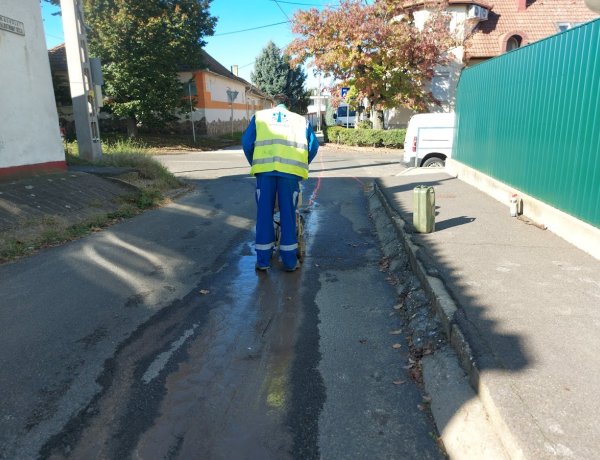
{"x":343,"y":111}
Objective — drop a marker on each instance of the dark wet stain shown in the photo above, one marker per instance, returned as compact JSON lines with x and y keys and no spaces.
{"x":136,"y":300}
{"x":189,"y":235}
{"x":218,"y":206}
{"x":169,"y":288}
{"x":158,"y":271}
{"x":175,"y":448}
{"x":206,"y":223}
{"x":251,"y":357}
{"x":330,"y":278}
{"x":380,"y":416}
{"x":50,"y":397}
{"x":92,"y":339}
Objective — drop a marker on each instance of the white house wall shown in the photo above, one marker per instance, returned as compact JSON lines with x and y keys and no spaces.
{"x":218,"y":112}
{"x":446,"y":78}
{"x":29,"y":130}
{"x":213,"y":113}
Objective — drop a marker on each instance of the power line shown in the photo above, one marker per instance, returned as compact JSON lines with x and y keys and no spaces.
{"x":253,"y":28}
{"x":279,"y":6}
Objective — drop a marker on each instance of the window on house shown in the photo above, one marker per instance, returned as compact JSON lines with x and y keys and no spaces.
{"x":562,"y":26}
{"x":513,"y":43}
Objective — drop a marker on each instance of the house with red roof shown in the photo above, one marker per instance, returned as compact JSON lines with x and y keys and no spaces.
{"x":484,"y":29}
{"x":224,"y":102}
{"x":220,"y":100}
{"x":511,"y":24}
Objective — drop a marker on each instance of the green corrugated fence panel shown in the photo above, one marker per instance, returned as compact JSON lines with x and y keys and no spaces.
{"x":531,"y":119}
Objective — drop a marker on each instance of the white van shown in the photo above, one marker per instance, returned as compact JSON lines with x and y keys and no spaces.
{"x":429,"y":139}
{"x":343,"y":118}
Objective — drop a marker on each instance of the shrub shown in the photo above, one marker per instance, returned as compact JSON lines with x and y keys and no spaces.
{"x":391,"y":138}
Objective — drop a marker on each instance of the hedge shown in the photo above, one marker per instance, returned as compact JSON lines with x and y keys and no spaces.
{"x":393,"y":138}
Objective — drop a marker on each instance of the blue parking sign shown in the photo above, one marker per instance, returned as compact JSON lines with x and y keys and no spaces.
{"x":345,"y":91}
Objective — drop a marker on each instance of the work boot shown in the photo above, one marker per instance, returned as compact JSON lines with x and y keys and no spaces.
{"x":292,"y":269}
{"x":262,"y":268}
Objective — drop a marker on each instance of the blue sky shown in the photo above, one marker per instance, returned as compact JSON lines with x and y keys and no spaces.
{"x":233,"y":15}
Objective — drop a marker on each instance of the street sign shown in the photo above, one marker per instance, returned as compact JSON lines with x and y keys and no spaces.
{"x":345,"y":90}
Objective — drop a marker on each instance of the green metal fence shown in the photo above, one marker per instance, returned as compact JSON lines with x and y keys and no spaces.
{"x":531,"y":119}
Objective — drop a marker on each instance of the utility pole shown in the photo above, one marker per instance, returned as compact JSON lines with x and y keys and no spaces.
{"x":191,"y":106}
{"x":231,"y":96}
{"x":85,"y":110}
{"x":319,"y":103}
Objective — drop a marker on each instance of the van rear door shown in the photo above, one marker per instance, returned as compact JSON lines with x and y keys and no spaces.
{"x":434,"y":139}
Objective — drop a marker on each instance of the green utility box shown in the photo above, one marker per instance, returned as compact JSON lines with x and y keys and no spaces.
{"x":424,"y":209}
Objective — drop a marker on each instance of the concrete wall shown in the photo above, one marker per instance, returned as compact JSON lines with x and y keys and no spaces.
{"x":578,"y":233}
{"x":29,"y":130}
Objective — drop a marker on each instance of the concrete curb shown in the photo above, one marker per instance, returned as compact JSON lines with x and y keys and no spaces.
{"x":446,"y":310}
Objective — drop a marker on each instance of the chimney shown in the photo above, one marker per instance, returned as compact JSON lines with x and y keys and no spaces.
{"x":234,"y":68}
{"x":521,"y":5}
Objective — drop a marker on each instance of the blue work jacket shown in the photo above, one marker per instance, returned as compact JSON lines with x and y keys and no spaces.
{"x":249,"y":137}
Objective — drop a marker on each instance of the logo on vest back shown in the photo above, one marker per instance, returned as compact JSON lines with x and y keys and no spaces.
{"x":279,"y":118}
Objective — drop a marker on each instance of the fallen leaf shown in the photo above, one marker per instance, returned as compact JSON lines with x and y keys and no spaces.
{"x":363,"y":341}
{"x":396,"y":332}
{"x":398,"y":306}
{"x":204,"y":291}
{"x":396,"y":346}
{"x":399,"y":382}
{"x":426,"y":399}
{"x":421,"y":407}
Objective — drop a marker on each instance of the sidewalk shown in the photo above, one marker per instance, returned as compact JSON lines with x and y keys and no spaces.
{"x":528,"y":306}
{"x":36,"y":204}
{"x":73,"y":194}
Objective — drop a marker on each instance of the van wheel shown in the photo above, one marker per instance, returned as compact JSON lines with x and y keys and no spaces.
{"x":433,"y":162}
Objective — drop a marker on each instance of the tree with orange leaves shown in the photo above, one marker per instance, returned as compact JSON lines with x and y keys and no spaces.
{"x":377,"y":49}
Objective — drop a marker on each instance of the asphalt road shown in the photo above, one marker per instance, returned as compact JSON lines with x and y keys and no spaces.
{"x":157,"y":339}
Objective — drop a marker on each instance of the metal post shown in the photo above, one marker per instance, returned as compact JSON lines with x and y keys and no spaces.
{"x":191,"y":109}
{"x":85,"y":110}
{"x":319,"y":103}
{"x":231,"y":95}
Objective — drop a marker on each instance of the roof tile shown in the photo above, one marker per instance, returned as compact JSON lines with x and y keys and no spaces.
{"x":539,"y":20}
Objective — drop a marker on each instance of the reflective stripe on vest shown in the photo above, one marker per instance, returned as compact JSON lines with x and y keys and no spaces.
{"x":298,"y":145}
{"x":277,"y":159}
{"x":280,"y":143}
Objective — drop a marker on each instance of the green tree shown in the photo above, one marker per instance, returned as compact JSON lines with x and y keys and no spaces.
{"x":274,"y":75}
{"x":142,"y":45}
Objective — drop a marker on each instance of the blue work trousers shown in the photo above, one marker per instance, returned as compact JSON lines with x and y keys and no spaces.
{"x":286,"y":189}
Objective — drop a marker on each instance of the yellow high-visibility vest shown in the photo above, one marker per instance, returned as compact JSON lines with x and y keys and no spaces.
{"x":281,"y":143}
